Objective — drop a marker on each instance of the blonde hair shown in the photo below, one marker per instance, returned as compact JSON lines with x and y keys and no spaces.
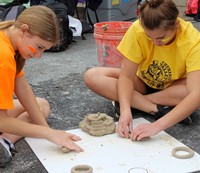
{"x":42,"y":22}
{"x":159,"y":14}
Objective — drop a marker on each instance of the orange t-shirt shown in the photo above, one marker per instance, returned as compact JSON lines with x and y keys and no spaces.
{"x":7,"y":72}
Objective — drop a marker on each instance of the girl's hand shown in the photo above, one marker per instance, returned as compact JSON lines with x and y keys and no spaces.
{"x":64,"y":139}
{"x":125,"y":124}
{"x":144,"y":130}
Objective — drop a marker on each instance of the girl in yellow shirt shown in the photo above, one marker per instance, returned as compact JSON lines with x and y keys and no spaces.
{"x":159,"y":74}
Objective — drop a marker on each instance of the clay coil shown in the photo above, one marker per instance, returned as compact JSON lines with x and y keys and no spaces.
{"x":189,"y":154}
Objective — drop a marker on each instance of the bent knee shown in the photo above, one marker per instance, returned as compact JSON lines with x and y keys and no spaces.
{"x":90,"y":77}
{"x":44,"y":106}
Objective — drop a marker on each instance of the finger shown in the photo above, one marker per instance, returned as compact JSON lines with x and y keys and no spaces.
{"x":133,"y":135}
{"x":126,"y":133}
{"x":74,"y":137}
{"x":78,"y":149}
{"x":142,"y":137}
{"x":130,"y":127}
{"x":74,"y":147}
{"x":130,"y":130}
{"x":120,"y":131}
{"x":139,"y":137}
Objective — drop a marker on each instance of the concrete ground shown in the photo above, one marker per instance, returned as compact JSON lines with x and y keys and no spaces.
{"x":59,"y":78}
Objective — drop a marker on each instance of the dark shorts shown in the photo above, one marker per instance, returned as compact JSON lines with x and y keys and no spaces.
{"x":151,"y":90}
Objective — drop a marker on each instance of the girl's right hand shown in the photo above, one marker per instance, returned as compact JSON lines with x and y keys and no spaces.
{"x":64,"y":139}
{"x":125,"y":124}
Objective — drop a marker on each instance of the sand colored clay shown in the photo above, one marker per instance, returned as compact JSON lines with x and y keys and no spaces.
{"x":189,"y":152}
{"x":98,"y":124}
{"x":82,"y":169}
{"x":65,"y":150}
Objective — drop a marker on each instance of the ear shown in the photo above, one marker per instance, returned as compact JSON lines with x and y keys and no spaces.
{"x":24,"y":28}
{"x":177,"y":23}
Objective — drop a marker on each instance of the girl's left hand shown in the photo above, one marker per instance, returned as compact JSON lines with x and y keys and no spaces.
{"x":144,"y":130}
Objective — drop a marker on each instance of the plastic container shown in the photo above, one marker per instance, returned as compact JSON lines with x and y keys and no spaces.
{"x":115,"y":10}
{"x":107,"y":37}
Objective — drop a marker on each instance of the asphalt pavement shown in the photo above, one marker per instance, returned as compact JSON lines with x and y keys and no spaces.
{"x":58,"y":77}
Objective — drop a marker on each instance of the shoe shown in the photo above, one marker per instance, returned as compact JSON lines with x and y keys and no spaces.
{"x":163,"y":110}
{"x":6,"y":152}
{"x":116,"y":109}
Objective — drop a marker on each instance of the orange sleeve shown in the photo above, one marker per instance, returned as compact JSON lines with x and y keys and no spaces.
{"x":7,"y":72}
{"x":7,"y":78}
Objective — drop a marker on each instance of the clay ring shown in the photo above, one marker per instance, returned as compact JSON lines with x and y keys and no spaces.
{"x":82,"y":169}
{"x":138,"y":169}
{"x":190,"y":152}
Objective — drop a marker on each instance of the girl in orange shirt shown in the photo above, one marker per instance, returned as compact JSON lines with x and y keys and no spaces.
{"x":34,"y":31}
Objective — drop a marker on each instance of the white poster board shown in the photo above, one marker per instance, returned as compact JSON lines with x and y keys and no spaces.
{"x":112,"y":154}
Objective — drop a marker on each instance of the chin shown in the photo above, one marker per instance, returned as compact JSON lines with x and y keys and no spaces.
{"x":160,"y":44}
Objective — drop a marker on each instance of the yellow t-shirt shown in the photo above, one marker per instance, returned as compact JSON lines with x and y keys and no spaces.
{"x":7,"y":72}
{"x":160,"y":66}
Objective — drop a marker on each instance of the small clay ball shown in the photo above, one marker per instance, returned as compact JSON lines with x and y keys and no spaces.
{"x":65,"y":150}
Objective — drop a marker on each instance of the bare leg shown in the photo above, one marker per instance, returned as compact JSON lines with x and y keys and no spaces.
{"x":20,"y":113}
{"x":170,"y":96}
{"x":103,"y":81}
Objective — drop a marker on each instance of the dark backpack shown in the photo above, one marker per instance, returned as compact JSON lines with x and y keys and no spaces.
{"x":94,"y":4}
{"x":14,"y":2}
{"x":71,"y":6}
{"x":66,"y":34}
{"x":10,"y":12}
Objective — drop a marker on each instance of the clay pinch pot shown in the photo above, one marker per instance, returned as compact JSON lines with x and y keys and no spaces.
{"x":82,"y":169}
{"x":98,"y":124}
